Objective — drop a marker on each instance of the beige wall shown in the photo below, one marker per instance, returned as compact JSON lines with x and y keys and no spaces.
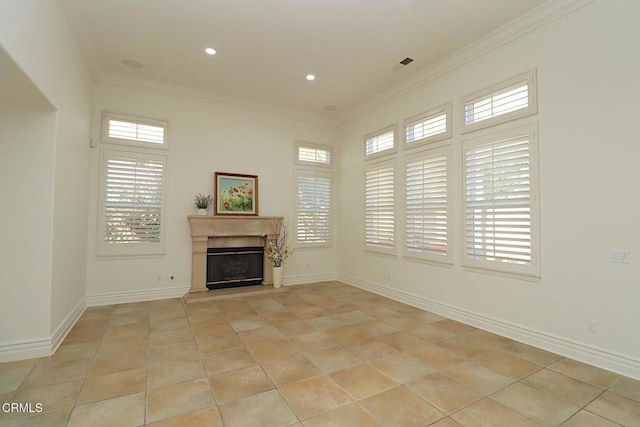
{"x":37,"y":36}
{"x":204,"y":137}
{"x":588,"y":99}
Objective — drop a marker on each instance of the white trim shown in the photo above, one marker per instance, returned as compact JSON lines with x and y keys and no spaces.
{"x":43,"y":346}
{"x":105,"y":249}
{"x":124,"y":297}
{"x":107,"y":116}
{"x":426,"y":256}
{"x":130,"y":82}
{"x":623,"y":364}
{"x":314,"y":172}
{"x":67,"y":324}
{"x":446,"y":109}
{"x":303,"y":279}
{"x":312,"y":164}
{"x":370,"y":247}
{"x":383,"y":153}
{"x":526,"y":24}
{"x":533,"y":269}
{"x":25,"y":349}
{"x":528,"y":77}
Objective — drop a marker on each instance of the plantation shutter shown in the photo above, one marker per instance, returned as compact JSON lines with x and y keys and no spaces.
{"x":426,"y":127}
{"x":127,"y":129}
{"x":384,"y":141}
{"x":498,"y":201}
{"x":132,"y":200}
{"x":427,"y":216}
{"x":510,"y":99}
{"x":379,"y":212}
{"x":314,"y":207}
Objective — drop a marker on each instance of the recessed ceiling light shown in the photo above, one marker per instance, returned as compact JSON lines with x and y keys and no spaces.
{"x":311,"y":77}
{"x":210,"y":51}
{"x":132,"y":63}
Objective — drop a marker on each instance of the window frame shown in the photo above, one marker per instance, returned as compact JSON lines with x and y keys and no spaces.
{"x":532,"y":102}
{"x":425,"y":256}
{"x":105,"y":249}
{"x":314,"y":172}
{"x":313,"y":146}
{"x":527,"y":271}
{"x":376,"y":248}
{"x":107,"y":116}
{"x":383,"y":153}
{"x":448,"y":133}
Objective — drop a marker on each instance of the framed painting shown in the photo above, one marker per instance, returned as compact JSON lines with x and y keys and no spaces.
{"x":236,"y":194}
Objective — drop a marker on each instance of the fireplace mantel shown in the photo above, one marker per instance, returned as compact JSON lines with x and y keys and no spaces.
{"x":204,"y":227}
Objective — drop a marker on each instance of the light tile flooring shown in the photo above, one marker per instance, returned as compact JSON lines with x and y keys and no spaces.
{"x":320,"y":355}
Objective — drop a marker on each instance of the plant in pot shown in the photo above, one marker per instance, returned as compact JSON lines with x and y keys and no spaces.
{"x":277,"y":251}
{"x":202,"y":203}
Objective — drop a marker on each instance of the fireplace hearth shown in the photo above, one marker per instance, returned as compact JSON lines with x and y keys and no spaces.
{"x":227,"y":232}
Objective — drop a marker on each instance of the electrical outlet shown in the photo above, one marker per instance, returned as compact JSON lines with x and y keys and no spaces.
{"x":592,"y":326}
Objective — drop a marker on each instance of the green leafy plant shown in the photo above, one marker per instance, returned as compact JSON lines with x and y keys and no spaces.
{"x":203,"y":202}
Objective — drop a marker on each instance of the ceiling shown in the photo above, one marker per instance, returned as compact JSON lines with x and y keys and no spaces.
{"x":267,"y":47}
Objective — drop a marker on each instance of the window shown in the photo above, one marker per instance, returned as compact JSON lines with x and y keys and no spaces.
{"x":313,"y":154}
{"x":428,"y":127}
{"x":313,"y":220}
{"x":313,"y":195}
{"x":129,"y":130}
{"x":500,"y":204}
{"x":132,"y":217}
{"x":428,"y":223}
{"x":132,"y":186}
{"x":379,"y":207}
{"x":380,"y":143}
{"x":511,"y":99}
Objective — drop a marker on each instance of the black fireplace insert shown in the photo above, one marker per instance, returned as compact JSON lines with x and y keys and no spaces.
{"x":232,"y":267}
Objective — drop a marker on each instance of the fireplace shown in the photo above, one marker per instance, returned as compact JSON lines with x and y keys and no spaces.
{"x":233,"y":267}
{"x":228,"y":232}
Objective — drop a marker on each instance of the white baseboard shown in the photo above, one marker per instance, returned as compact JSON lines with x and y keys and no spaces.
{"x":24,"y":349}
{"x":41,"y":347}
{"x":620,"y":363}
{"x":302,"y":279}
{"x":64,"y":328}
{"x":122,"y":297}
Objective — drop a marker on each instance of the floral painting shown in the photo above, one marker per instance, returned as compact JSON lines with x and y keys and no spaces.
{"x":236,"y":194}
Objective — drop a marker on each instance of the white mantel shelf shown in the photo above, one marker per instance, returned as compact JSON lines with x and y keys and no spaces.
{"x":203,"y":227}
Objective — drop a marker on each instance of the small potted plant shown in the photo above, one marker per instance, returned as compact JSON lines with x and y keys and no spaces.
{"x":202,"y":203}
{"x":277,"y":251}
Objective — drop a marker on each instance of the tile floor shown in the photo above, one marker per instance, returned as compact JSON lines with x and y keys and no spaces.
{"x":319,"y":355}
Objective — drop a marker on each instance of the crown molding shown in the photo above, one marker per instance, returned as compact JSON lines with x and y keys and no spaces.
{"x":537,"y":18}
{"x":130,"y":82}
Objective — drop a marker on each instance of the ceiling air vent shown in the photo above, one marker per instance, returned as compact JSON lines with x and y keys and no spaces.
{"x":400,"y":65}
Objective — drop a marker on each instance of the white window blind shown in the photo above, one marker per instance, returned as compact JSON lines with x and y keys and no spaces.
{"x":506,"y":101}
{"x":500,"y":203}
{"x":380,"y":142}
{"x":119,"y":128}
{"x":313,"y":220}
{"x":314,"y":155}
{"x":427,"y":206}
{"x":432,"y":126}
{"x":380,"y":207}
{"x":132,"y":203}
